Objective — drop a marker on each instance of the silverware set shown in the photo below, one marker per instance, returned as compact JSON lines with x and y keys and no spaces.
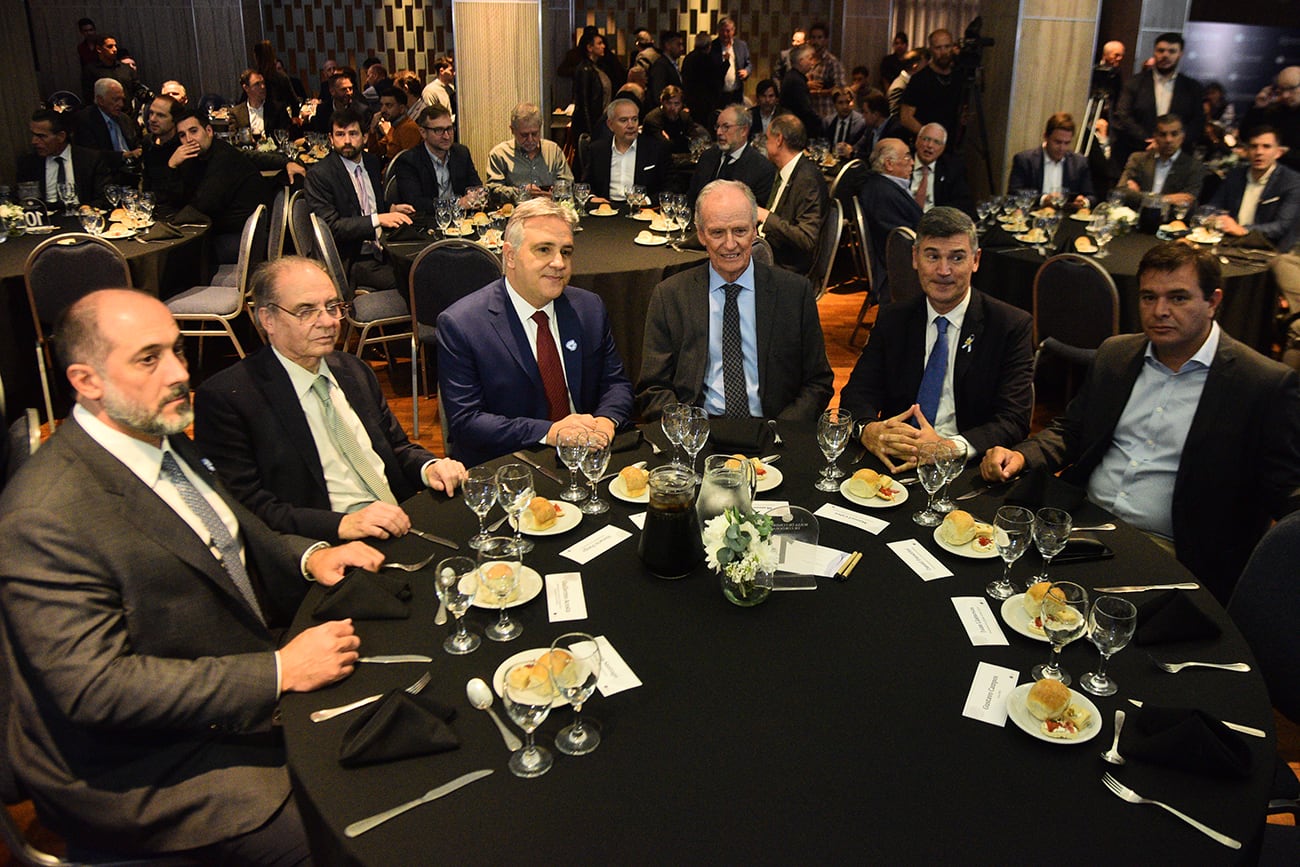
{"x":331,"y":712}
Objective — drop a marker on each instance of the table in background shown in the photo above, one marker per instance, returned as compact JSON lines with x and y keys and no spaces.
{"x":818,"y":727}
{"x":1249,"y":292}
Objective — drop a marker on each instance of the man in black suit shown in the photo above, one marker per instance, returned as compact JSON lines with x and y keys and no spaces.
{"x":145,"y":665}
{"x":732,"y":65}
{"x":880,"y":125}
{"x":672,"y":123}
{"x":53,"y":158}
{"x":1054,"y":167}
{"x":783,"y":372}
{"x":767,"y":105}
{"x":792,"y":221}
{"x":887,"y":204}
{"x":107,"y":65}
{"x":846,"y":126}
{"x":1159,"y":426}
{"x":437,"y":169}
{"x":267,"y":430}
{"x":1263,"y":198}
{"x":1169,"y":171}
{"x":346,"y":191}
{"x":697,"y":79}
{"x":160,"y":145}
{"x":257,"y":113}
{"x":795,"y":97}
{"x":744,"y":162}
{"x":626,"y":158}
{"x":663,"y":71}
{"x":342,"y":90}
{"x":938,"y":179}
{"x":975,"y":388}
{"x":104,"y":126}
{"x":1154,"y":92}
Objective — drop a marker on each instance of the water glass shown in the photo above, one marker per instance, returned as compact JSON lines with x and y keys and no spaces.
{"x":92,"y":220}
{"x":695,"y":433}
{"x":929,"y":469}
{"x":1012,"y":528}
{"x":636,"y":199}
{"x":673,"y":420}
{"x":442,"y":215}
{"x":594,"y":461}
{"x":457,"y":586}
{"x":1051,"y":532}
{"x":1064,"y":616}
{"x":1111,"y":624}
{"x":527,"y":695}
{"x":582,"y":195}
{"x":952,"y":462}
{"x":570,"y":443}
{"x":68,"y":196}
{"x":499,"y":562}
{"x":574,"y":670}
{"x":834,"y":427}
{"x":480,"y":487}
{"x":515,"y":491}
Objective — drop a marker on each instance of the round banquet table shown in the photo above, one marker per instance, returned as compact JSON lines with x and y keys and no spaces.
{"x":1007,"y":271}
{"x":606,"y":261}
{"x":820,"y":726}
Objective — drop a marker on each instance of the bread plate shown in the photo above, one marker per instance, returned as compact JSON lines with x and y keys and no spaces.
{"x":530,"y":584}
{"x":1029,"y":724}
{"x":569,"y":517}
{"x":968,"y":550}
{"x":499,"y":676}
{"x":874,"y":502}
{"x":618,"y":489}
{"x":1015,"y":616}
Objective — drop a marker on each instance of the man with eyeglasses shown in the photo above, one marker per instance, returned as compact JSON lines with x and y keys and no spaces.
{"x":938,"y":179}
{"x":300,"y":432}
{"x":527,"y":159}
{"x":439,"y":169}
{"x":733,"y":158}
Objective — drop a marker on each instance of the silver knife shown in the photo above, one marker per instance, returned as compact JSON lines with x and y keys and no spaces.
{"x":541,"y":469}
{"x":364,"y":825}
{"x":1138,"y":588}
{"x":1236,"y":727}
{"x":437,"y":540}
{"x":397,"y":657}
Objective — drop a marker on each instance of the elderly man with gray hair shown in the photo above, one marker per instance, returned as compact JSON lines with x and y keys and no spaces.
{"x":528,"y":159}
{"x":733,"y":158}
{"x":887,"y":202}
{"x":626,"y":158}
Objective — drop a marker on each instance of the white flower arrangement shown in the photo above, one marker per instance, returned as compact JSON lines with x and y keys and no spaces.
{"x":10,"y":211}
{"x":740,"y":547}
{"x":568,"y":206}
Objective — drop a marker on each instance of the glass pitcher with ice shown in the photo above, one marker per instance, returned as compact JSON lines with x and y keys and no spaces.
{"x":729,"y":483}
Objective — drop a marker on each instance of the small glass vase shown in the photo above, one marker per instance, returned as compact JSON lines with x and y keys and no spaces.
{"x":746,"y":592}
{"x":16,"y":226}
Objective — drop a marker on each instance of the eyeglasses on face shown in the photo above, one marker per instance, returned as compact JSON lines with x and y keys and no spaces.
{"x":308,"y":315}
{"x":437,"y":130}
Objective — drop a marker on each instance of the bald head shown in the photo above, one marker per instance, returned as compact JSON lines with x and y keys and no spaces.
{"x":1112,"y":53}
{"x":891,"y":156}
{"x":1288,"y":82}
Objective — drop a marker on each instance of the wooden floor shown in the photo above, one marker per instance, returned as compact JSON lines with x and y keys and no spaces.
{"x":838,"y":311}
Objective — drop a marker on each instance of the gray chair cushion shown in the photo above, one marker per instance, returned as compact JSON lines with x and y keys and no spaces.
{"x":206,"y":301}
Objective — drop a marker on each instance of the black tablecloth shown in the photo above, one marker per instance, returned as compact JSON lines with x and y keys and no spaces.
{"x":820,"y":726}
{"x":1007,"y":272}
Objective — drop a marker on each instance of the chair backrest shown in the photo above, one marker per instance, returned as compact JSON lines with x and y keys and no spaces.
{"x":390,"y":189}
{"x":844,"y":169}
{"x":864,"y":245}
{"x":828,"y":244}
{"x":328,"y":255}
{"x":902,"y":278}
{"x":761,"y":251}
{"x":446,"y":271}
{"x":64,"y":268}
{"x":388,"y":173}
{"x":300,"y":225}
{"x":1265,"y":605}
{"x":278,"y":225}
{"x":253,"y":245}
{"x":584,"y":155}
{"x":1075,"y":301}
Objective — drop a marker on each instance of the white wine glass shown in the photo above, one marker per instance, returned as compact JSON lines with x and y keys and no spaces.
{"x":636,"y":199}
{"x":929,"y":469}
{"x":594,"y":461}
{"x":442,"y":215}
{"x":1012,"y":528}
{"x":92,"y":220}
{"x":953,"y":462}
{"x":515,"y":491}
{"x":574,"y":669}
{"x":1111,"y":623}
{"x":1064,"y":615}
{"x":582,"y":195}
{"x":695,"y":433}
{"x":833,"y":429}
{"x":480,"y":487}
{"x":68,"y":196}
{"x":1051,"y":532}
{"x":527,"y":694}
{"x":674,"y":416}
{"x":498,"y":571}
{"x":457,"y":586}
{"x":570,"y":443}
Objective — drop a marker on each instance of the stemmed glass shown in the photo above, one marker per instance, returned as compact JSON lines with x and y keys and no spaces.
{"x":1064,"y":620}
{"x":498,"y":571}
{"x":673,"y":419}
{"x":695,"y":433}
{"x":952,"y":462}
{"x":1111,"y":623}
{"x":929,"y":469}
{"x":113,"y":193}
{"x":562,"y":190}
{"x":442,"y":215}
{"x":480,"y":488}
{"x":1013,"y":525}
{"x":682,"y":207}
{"x":527,"y":695}
{"x":92,"y":220}
{"x":515,"y":491}
{"x":833,"y":429}
{"x":636,"y":199}
{"x":68,"y":195}
{"x":582,"y":195}
{"x":1051,"y":532}
{"x":477,"y":197}
{"x":574,"y":678}
{"x":570,"y":444}
{"x":145,"y":204}
{"x":457,"y":586}
{"x":594,"y":460}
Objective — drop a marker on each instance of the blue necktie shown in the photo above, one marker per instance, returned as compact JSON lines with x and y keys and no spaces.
{"x":935,"y":370}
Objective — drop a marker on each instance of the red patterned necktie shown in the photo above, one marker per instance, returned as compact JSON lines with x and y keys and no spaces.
{"x":548,"y":364}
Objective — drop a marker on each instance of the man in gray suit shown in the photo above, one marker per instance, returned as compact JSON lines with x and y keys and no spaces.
{"x":1168,"y":171}
{"x":792,"y":220}
{"x":142,"y":607}
{"x":780,"y":370}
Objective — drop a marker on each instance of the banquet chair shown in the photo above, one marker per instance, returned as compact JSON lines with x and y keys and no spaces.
{"x":846,"y":169}
{"x":59,"y":272}
{"x":904,"y":283}
{"x":761,"y":251}
{"x":390,"y":187}
{"x":279,"y":224}
{"x":442,"y":274}
{"x":300,"y":230}
{"x":1076,"y":307}
{"x":217,"y":305}
{"x":828,"y":245}
{"x":864,"y":267}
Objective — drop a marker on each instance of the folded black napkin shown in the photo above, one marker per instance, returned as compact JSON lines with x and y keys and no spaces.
{"x":406,"y":234}
{"x":398,"y":726}
{"x":1082,"y":549}
{"x":1187,"y":739}
{"x":364,"y":595}
{"x":1039,"y":489}
{"x":1173,"y":616}
{"x":747,"y":435}
{"x":626,"y":441}
{"x":187,"y":216}
{"x":161,"y":231}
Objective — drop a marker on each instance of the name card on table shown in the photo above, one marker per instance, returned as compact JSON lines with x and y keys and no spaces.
{"x":976,"y":615}
{"x":596,"y":544}
{"x":919,"y":560}
{"x":638,"y":520}
{"x":987,"y":699}
{"x":615,"y":676}
{"x":564,"y":597}
{"x":852,"y":518}
{"x":803,"y":558}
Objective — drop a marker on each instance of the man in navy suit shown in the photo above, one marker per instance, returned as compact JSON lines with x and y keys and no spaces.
{"x":846,"y":126}
{"x":983,"y":375}
{"x":266,"y":428}
{"x":81,"y":166}
{"x":887,"y":204}
{"x":943,"y":179}
{"x":1054,"y":167}
{"x":106,"y":127}
{"x":528,"y":355}
{"x":439,"y":168}
{"x":731,"y":64}
{"x":744,"y":162}
{"x":1264,"y":197}
{"x":346,"y":191}
{"x":626,"y":158}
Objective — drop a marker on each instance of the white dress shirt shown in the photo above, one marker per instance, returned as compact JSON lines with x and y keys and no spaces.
{"x":1251,"y":195}
{"x":622,"y":171}
{"x":52,"y":176}
{"x":945,"y":420}
{"x":1164,"y":91}
{"x":257,"y":119}
{"x":1053,"y":174}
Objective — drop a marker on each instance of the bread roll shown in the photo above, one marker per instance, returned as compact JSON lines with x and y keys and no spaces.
{"x":554,"y":660}
{"x":542,"y":511}
{"x":634,"y":480}
{"x":865,"y":484}
{"x":1048,"y":699}
{"x":958,"y":527}
{"x":1034,"y":597}
{"x":1084,"y":244}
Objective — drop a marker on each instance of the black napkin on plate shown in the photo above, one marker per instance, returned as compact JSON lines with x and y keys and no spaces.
{"x":747,"y":435}
{"x":1039,"y":489}
{"x":1173,"y":616}
{"x":626,"y":441}
{"x":161,"y":231}
{"x":364,"y":595}
{"x":1187,"y":739}
{"x":398,"y":726}
{"x":406,"y":234}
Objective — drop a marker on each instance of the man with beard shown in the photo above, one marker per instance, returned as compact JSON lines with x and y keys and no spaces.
{"x":934,"y":94}
{"x":159,"y":147}
{"x":733,"y":158}
{"x":144,"y":607}
{"x":1154,"y":92}
{"x":342,"y":97}
{"x":672,"y":123}
{"x":663,"y":71}
{"x":392,"y":130}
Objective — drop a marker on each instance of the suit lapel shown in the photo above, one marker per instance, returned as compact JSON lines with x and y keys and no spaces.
{"x":570,"y":348}
{"x":511,"y":333}
{"x":764,"y":320}
{"x":972,"y":327}
{"x":1217,"y":400}
{"x":278,"y":393}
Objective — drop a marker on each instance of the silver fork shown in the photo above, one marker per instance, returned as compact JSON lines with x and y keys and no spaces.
{"x":1133,"y":797}
{"x":411,"y":567}
{"x":1175,"y":667}
{"x":331,"y":712}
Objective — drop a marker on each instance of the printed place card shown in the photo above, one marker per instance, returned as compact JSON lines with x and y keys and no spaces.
{"x":615,"y":676}
{"x":987,"y":699}
{"x":564,"y":597}
{"x":638,"y":519}
{"x":774,"y":508}
{"x":852,"y":518}
{"x":919,"y":560}
{"x":976,"y":615}
{"x":596,"y":544}
{"x":803,"y":558}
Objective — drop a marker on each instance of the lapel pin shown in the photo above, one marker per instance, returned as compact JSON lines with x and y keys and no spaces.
{"x":571,"y":345}
{"x":970,"y":341}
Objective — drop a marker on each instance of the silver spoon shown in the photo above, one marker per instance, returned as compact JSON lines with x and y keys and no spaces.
{"x":481,"y":698}
{"x":440,"y":619}
{"x":1112,"y":755}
